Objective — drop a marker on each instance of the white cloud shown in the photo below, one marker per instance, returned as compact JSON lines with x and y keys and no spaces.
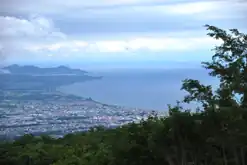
{"x":33,"y":27}
{"x":72,"y":45}
{"x":39,"y":35}
{"x":17,"y":33}
{"x":109,"y":46}
{"x":128,"y":45}
{"x":191,"y":8}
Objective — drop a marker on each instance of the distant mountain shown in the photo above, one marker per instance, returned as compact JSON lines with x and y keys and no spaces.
{"x":34,"y":70}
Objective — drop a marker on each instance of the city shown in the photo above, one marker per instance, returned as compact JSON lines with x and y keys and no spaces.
{"x":59,"y":114}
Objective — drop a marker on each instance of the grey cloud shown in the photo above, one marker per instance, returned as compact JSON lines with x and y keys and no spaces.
{"x":84,"y":18}
{"x":134,"y":25}
{"x":74,"y":8}
{"x":48,"y":6}
{"x":16,"y":34}
{"x":142,"y":24}
{"x":76,"y":16}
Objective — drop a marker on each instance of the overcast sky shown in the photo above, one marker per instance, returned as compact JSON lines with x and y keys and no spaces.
{"x":110,"y":30}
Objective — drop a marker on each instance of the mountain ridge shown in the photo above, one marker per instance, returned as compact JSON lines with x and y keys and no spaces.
{"x":35,"y":70}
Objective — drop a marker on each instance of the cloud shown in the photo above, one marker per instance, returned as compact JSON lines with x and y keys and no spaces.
{"x":76,"y":16}
{"x":33,"y":27}
{"x":124,"y":8}
{"x":17,"y":33}
{"x":108,"y":16}
{"x":81,"y":28}
{"x":155,"y":44}
{"x":39,"y":35}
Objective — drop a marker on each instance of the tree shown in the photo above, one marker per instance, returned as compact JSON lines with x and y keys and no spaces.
{"x":229,"y":64}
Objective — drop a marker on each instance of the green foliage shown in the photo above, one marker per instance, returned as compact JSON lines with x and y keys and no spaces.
{"x":215,"y":136}
{"x":209,"y":137}
{"x":229,"y":64}
{"x":198,"y":92}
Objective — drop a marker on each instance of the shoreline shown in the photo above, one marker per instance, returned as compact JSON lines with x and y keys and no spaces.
{"x":100,"y":102}
{"x":60,"y":114}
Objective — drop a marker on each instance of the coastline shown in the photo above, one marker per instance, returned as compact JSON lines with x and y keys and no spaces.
{"x":57,"y":114}
{"x":62,"y":89}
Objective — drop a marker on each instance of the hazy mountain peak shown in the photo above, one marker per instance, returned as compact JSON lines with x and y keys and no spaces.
{"x":34,"y":70}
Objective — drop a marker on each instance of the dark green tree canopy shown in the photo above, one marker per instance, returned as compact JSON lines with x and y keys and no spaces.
{"x":229,"y":64}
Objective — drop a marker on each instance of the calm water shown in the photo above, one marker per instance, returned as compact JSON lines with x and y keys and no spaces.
{"x":148,"y":89}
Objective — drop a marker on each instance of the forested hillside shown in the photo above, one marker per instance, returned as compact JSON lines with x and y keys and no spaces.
{"x":213,"y":135}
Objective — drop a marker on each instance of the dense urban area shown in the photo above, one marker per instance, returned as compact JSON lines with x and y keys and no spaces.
{"x":55,"y":113}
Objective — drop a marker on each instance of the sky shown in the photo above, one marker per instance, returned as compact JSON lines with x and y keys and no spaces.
{"x":113,"y":31}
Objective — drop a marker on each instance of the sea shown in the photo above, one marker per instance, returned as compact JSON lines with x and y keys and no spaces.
{"x":151,"y":89}
{"x":133,"y":91}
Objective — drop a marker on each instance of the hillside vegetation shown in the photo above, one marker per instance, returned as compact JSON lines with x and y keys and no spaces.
{"x":213,"y":135}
